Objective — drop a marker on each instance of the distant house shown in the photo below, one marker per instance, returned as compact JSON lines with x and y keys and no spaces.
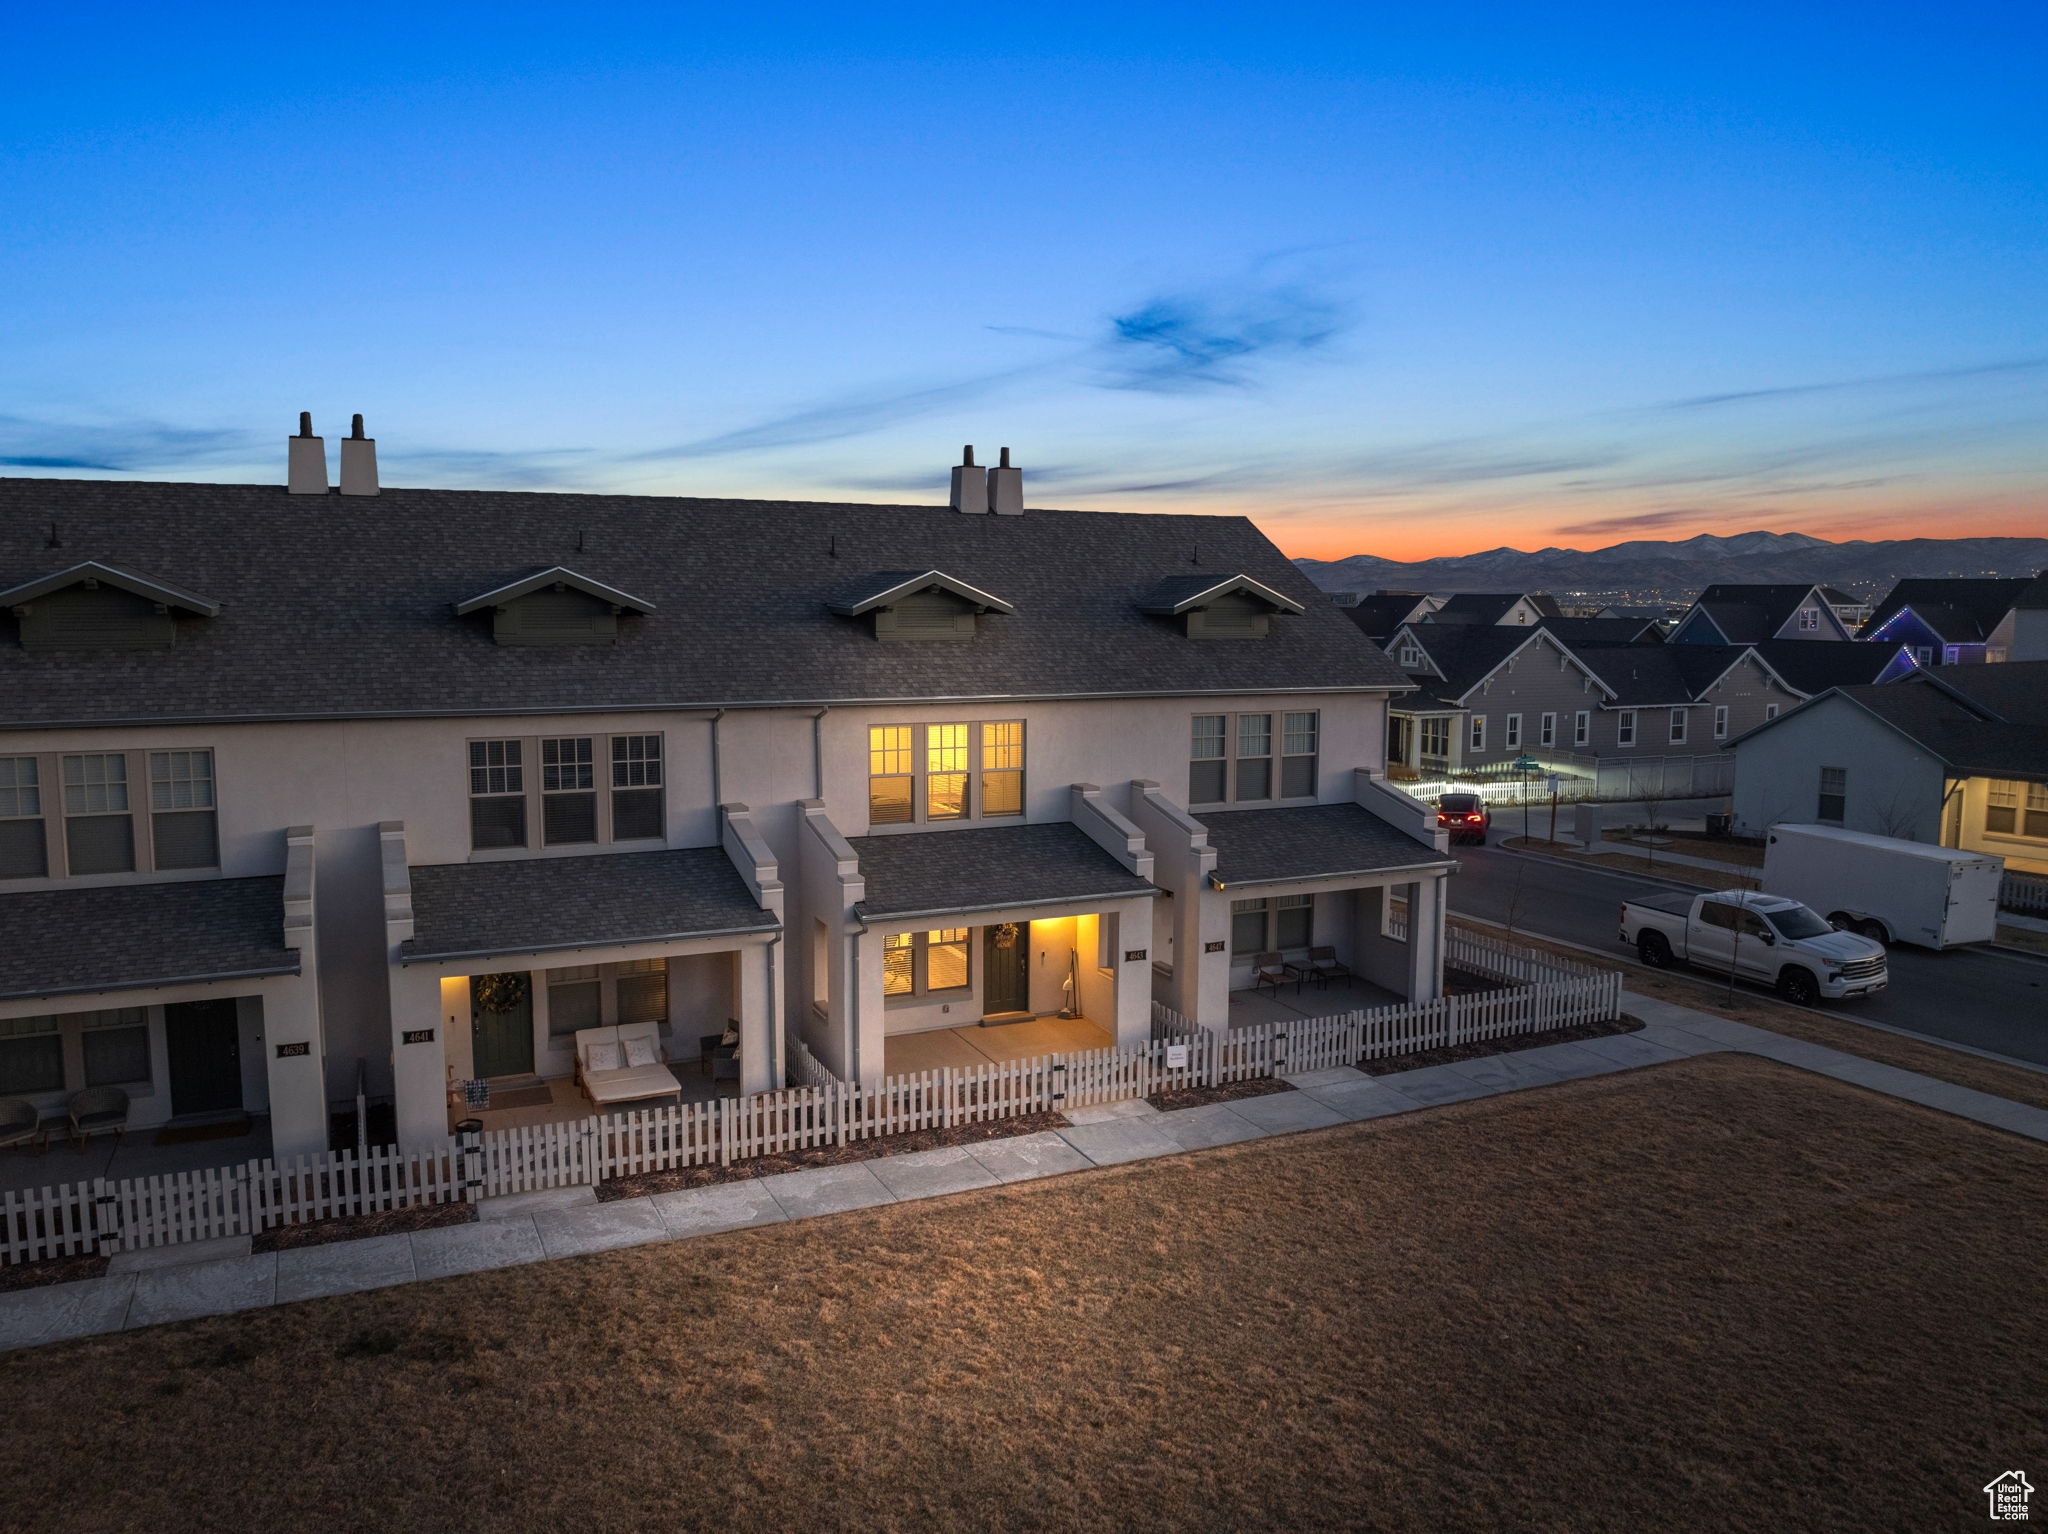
{"x":1956,"y":757}
{"x":1964,"y":622}
{"x":1504,"y":609}
{"x":1605,"y":689}
{"x":1853,"y":610}
{"x":1739,"y":614}
{"x":1381,"y":613}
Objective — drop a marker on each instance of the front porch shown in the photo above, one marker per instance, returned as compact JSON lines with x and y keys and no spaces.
{"x":510,"y":973}
{"x":1255,"y":1005}
{"x":975,"y":1045}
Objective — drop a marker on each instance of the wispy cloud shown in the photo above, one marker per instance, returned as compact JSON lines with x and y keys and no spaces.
{"x":1221,"y":336}
{"x":1873,"y":381}
{"x":487,"y":468}
{"x":1179,"y":342}
{"x":115,"y":447}
{"x":1635,"y":522}
{"x":850,"y":415}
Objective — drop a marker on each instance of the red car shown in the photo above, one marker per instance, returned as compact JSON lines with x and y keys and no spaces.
{"x":1465,"y":816}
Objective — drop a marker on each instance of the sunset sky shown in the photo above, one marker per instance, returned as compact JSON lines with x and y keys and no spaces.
{"x":1403,"y":280}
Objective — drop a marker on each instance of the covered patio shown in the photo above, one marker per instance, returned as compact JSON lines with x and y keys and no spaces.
{"x":1040,"y":930}
{"x":506,"y":971}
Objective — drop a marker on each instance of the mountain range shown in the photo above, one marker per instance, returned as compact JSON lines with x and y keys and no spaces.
{"x":1647,"y":565}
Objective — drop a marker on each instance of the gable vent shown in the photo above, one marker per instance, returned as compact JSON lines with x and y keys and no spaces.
{"x":1232,"y":616}
{"x":926,"y":615}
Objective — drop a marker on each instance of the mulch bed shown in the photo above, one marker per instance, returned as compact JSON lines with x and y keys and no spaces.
{"x":54,"y":1270}
{"x":1230,"y":1092}
{"x":827,"y":1155}
{"x":1465,"y":982}
{"x":1389,"y":1064}
{"x":357,"y":1227}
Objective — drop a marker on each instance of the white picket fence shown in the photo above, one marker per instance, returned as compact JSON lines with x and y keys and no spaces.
{"x":104,"y":1217}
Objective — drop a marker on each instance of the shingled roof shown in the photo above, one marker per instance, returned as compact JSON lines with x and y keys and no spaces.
{"x":1310,"y":841}
{"x":1960,"y":611}
{"x":342,"y":606}
{"x":1989,"y":721}
{"x":112,"y":937}
{"x":988,"y":868}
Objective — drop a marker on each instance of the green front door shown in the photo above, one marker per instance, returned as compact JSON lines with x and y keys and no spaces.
{"x":1006,"y":968}
{"x":501,"y":1025}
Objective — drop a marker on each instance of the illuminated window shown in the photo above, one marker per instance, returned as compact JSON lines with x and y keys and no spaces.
{"x":1478,"y":738}
{"x":945,"y":751}
{"x":899,"y":964}
{"x":1002,"y":768}
{"x":925,"y":963}
{"x":927,"y":772}
{"x":891,"y":784}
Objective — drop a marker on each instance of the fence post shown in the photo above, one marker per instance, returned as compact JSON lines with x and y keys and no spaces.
{"x":105,"y":1214}
{"x":1451,"y":1011}
{"x":469,"y":1138}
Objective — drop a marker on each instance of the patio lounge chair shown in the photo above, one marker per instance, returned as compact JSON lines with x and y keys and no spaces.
{"x":97,"y":1111}
{"x":606,"y":1068}
{"x":18,"y":1121}
{"x":1268,"y":970}
{"x":1327,"y":965}
{"x":725,"y":1066}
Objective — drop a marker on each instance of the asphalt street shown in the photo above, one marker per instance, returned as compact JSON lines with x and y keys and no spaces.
{"x":1987,"y":998}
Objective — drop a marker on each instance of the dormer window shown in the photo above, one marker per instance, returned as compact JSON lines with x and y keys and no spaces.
{"x":96,"y":607}
{"x":926,"y":604}
{"x":1233,"y":607}
{"x":1411,"y":656}
{"x":555,"y":609}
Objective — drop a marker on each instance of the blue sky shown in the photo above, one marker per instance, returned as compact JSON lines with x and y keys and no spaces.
{"x":1389,"y":281}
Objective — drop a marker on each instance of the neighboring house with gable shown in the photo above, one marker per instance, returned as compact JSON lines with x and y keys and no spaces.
{"x":1729,"y":613}
{"x":1964,"y":621}
{"x":1383,"y":612}
{"x":421,"y":782}
{"x":1957,"y":757}
{"x":1504,"y":609}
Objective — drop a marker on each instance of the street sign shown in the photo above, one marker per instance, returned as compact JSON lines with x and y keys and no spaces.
{"x":1551,"y":784}
{"x":1527,"y":764}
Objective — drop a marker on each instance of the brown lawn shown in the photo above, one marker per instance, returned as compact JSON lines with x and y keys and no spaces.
{"x":1719,"y":1294}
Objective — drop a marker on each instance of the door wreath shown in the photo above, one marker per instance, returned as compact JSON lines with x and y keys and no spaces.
{"x":498,"y":993}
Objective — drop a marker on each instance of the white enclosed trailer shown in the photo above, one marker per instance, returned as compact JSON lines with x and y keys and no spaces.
{"x":1884,"y":887}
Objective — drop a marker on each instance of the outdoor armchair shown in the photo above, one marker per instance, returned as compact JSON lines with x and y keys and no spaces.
{"x":98,"y":1111}
{"x":18,"y":1121}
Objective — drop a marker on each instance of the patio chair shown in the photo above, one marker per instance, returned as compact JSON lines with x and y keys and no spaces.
{"x":1328,"y":966}
{"x":97,"y":1111}
{"x":1267,"y":969}
{"x":19,"y":1121}
{"x":725,"y":1066}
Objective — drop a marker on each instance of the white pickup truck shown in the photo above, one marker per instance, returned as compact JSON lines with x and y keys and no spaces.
{"x":1765,"y":938}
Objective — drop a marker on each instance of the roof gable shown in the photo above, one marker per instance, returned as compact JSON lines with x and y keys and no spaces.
{"x":548,"y":579}
{"x":1184,"y":593}
{"x":92,"y":573}
{"x":887,"y":586}
{"x":1956,"y":610}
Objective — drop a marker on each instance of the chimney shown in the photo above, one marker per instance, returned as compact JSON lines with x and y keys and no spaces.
{"x":358,"y":462}
{"x":1006,"y":489}
{"x":306,"y":460}
{"x":970,"y":484}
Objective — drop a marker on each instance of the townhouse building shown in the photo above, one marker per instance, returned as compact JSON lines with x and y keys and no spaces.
{"x":1580,"y":690}
{"x":303,"y":790}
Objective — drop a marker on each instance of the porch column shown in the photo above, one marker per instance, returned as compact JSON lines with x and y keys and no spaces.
{"x":865,"y":1034}
{"x":1210,"y":951}
{"x":1426,"y":939}
{"x":419,"y":1070}
{"x":294,"y":1067}
{"x":755,"y":1004}
{"x":1133,"y":976}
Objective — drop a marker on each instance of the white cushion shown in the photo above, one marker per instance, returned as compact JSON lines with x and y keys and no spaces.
{"x":603,"y":1056}
{"x":640,"y":1051}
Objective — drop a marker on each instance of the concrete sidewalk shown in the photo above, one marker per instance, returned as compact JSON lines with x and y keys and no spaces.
{"x":214,"y":1278}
